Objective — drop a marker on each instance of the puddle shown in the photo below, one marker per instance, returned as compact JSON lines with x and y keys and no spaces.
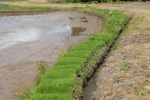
{"x":4,"y":1}
{"x":77,"y":30}
{"x":41,"y":33}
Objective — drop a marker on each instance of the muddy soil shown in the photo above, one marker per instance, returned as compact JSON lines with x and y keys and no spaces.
{"x":27,"y":39}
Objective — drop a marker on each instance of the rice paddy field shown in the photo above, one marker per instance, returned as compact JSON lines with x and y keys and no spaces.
{"x":108,"y":51}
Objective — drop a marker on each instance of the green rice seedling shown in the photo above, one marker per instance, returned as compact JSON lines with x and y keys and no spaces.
{"x":104,"y":38}
{"x":33,"y":8}
{"x":95,"y":43}
{"x":59,"y":74}
{"x":71,"y":60}
{"x":74,"y":8}
{"x":120,"y":21}
{"x":100,"y":11}
{"x":54,"y":89}
{"x":92,"y":48}
{"x":111,"y":31}
{"x":3,"y":5}
{"x":51,"y":96}
{"x":25,"y":8}
{"x":103,"y":10}
{"x":79,"y":53}
{"x":70,"y":66}
{"x":88,"y":45}
{"x":58,"y":82}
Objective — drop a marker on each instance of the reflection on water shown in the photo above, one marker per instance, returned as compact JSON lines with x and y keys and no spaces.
{"x":41,"y":34}
{"x":4,"y":27}
{"x":77,"y":30}
{"x":4,"y":1}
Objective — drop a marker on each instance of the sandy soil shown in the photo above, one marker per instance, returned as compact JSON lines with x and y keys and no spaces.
{"x":22,"y":45}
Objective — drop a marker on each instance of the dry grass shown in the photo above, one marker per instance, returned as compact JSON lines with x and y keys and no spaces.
{"x":125,"y":73}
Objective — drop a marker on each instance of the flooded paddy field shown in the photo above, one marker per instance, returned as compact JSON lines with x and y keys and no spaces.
{"x":28,"y":38}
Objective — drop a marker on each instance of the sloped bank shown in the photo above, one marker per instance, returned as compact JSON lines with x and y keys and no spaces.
{"x":65,"y":80}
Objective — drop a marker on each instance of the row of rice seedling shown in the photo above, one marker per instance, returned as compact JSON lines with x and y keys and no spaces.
{"x":59,"y":82}
{"x":25,"y":8}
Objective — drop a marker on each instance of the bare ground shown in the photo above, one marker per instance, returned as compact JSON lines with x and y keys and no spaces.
{"x":126,"y":71}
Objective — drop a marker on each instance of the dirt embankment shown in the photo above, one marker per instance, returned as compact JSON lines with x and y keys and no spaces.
{"x":125,"y":74}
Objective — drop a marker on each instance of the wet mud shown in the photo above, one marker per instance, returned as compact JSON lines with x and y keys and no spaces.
{"x":27,"y":39}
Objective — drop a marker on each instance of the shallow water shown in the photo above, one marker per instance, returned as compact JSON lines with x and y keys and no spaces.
{"x":27,"y":39}
{"x":11,"y":34}
{"x":4,"y":1}
{"x":40,"y":33}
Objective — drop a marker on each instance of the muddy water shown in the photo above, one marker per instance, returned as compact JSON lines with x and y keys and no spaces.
{"x":27,"y":39}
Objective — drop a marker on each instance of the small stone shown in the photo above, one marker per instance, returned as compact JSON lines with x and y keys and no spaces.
{"x":147,"y":88}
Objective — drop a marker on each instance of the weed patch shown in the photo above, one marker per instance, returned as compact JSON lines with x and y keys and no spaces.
{"x":148,"y":28}
{"x":125,"y":66}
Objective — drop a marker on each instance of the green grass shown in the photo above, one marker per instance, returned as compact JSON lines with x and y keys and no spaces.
{"x":148,"y":28}
{"x":42,"y":68}
{"x":125,"y":67}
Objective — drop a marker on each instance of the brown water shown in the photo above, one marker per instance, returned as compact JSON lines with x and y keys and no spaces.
{"x":27,"y":39}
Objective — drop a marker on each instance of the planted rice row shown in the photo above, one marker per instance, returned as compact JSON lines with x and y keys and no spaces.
{"x":59,"y":82}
